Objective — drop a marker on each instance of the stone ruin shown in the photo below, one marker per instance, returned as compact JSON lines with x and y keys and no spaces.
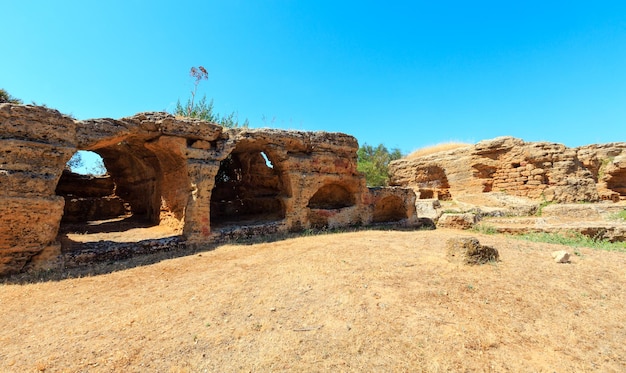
{"x":196,"y":179}
{"x":542,"y":171}
{"x":203,"y":183}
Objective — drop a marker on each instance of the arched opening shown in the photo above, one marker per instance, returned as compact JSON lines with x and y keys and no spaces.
{"x":89,"y":191}
{"x":331,"y":197}
{"x":327,"y":203}
{"x":140,"y":195}
{"x":389,"y":209}
{"x":248,"y":190}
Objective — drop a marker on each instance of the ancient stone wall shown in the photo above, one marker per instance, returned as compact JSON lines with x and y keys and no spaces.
{"x":192,"y":177}
{"x":537,"y":170}
{"x":607,"y":164}
{"x":35,"y":145}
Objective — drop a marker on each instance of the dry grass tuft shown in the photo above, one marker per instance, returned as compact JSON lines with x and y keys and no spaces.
{"x":442,"y":147}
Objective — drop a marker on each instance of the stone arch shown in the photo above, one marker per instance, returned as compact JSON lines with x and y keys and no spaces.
{"x":250,"y":187}
{"x":389,"y":209}
{"x":331,"y":197}
{"x":146,"y":185}
{"x":327,"y":203}
{"x":89,"y":197}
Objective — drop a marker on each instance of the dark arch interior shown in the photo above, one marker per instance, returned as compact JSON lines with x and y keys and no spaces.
{"x":145,"y":185}
{"x":389,"y":209}
{"x":327,"y":198}
{"x":125,"y":197}
{"x":331,"y":197}
{"x":248,"y":189}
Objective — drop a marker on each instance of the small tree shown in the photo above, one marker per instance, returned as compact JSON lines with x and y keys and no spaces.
{"x":374,"y":163}
{"x":203,"y":109}
{"x":5,"y":97}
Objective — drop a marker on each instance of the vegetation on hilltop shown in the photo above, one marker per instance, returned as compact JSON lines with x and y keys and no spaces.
{"x":5,"y":97}
{"x":441,"y":147}
{"x":374,"y":163}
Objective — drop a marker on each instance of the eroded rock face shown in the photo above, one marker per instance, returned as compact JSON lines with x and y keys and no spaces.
{"x":190,"y":176}
{"x":540,"y":171}
{"x":467,"y":250}
{"x":35,"y":145}
{"x":607,"y":163}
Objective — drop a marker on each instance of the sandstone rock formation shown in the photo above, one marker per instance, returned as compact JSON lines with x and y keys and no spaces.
{"x":468,"y":250}
{"x":193,"y":177}
{"x":457,"y":221}
{"x":537,"y":170}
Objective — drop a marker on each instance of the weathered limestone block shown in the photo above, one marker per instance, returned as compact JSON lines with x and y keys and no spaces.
{"x":103,"y":132}
{"x":457,"y":221}
{"x":28,"y":226}
{"x":167,"y":124}
{"x":468,"y":250}
{"x":607,"y":165}
{"x":561,"y":256}
{"x":79,"y":209}
{"x":541,"y":171}
{"x":428,"y":208}
{"x":392,"y":205}
{"x":36,"y":124}
{"x":31,"y":168}
{"x":72,"y":184}
{"x":35,"y":144}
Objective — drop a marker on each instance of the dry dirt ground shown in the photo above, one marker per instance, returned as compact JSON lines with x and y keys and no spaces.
{"x":362,"y":301}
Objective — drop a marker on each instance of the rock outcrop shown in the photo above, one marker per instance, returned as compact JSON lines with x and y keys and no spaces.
{"x":467,"y":250}
{"x":540,"y":171}
{"x":193,"y":177}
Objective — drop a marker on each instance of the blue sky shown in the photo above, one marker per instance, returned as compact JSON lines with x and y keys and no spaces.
{"x":406,"y":74}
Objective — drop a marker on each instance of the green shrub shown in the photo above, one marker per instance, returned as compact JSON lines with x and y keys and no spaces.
{"x":573,"y":239}
{"x":619,"y":215}
{"x":484,"y":229}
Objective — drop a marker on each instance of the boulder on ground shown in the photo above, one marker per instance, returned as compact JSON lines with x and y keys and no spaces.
{"x":457,"y":221}
{"x":468,"y":250}
{"x":561,"y":256}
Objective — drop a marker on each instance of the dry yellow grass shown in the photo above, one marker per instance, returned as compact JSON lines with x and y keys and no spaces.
{"x":364,"y":301}
{"x":436,"y":149}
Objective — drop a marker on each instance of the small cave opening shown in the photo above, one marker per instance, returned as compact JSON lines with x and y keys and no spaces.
{"x":485,"y":174}
{"x":616,"y":181}
{"x":249,"y":190}
{"x":389,"y":209}
{"x":432,"y":182}
{"x":326,"y":203}
{"x":331,"y":197}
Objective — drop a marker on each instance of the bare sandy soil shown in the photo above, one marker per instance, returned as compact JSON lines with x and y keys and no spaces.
{"x":363,"y":301}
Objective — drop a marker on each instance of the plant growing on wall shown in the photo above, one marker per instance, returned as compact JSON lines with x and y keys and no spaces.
{"x":5,"y":97}
{"x":203,"y":109}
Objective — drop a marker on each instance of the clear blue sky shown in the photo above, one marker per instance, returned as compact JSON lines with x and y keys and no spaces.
{"x":403,"y":73}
